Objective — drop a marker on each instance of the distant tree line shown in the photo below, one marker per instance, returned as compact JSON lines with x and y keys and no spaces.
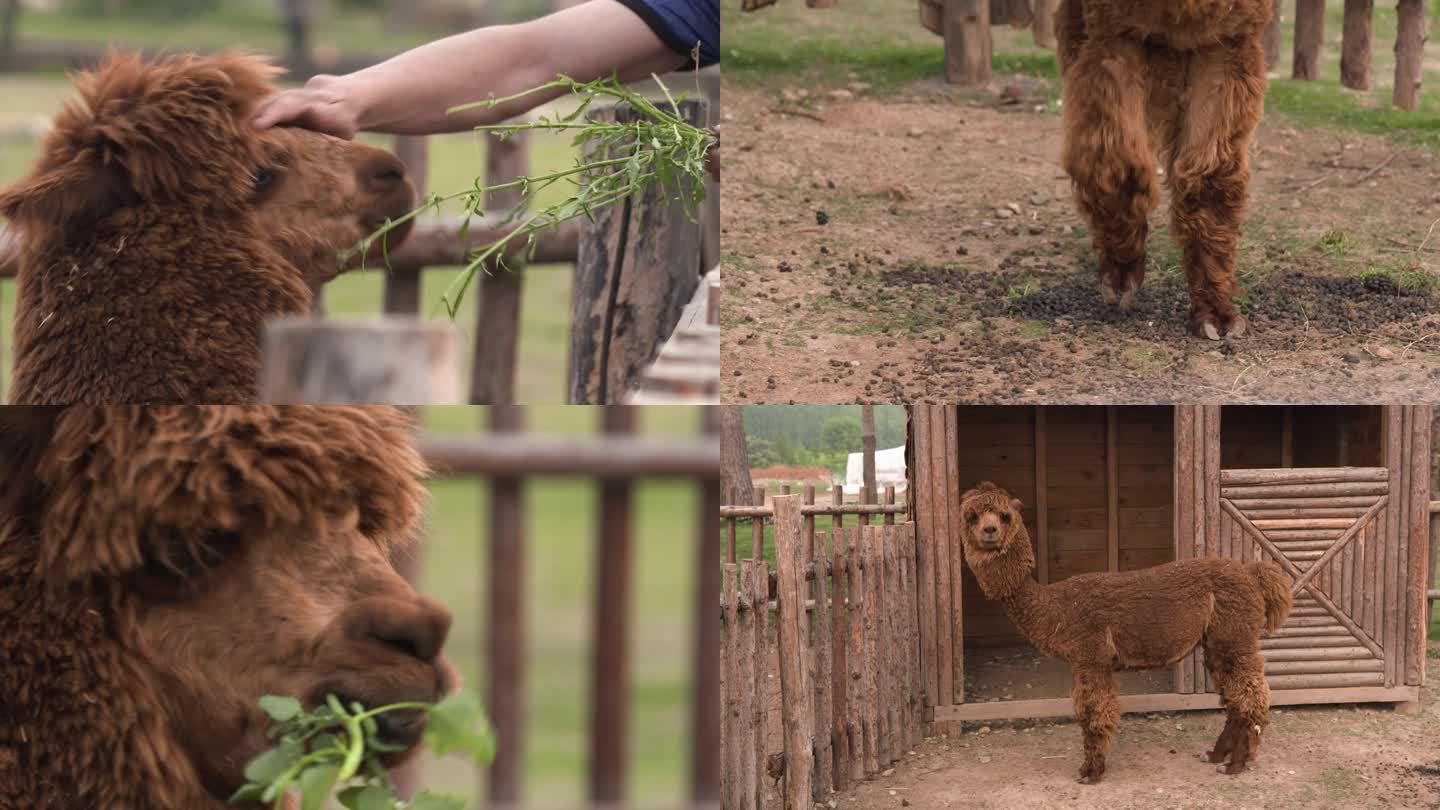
{"x":815,"y":435}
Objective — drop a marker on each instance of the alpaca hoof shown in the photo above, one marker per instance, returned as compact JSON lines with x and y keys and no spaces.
{"x":1212,"y":757}
{"x":1109,"y":294}
{"x":1127,"y":298}
{"x":1086,"y":779}
{"x":1210,"y":331}
{"x":1237,"y":327}
{"x":1232,"y":769}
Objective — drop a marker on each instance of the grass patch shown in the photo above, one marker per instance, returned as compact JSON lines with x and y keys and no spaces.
{"x":1408,"y":273}
{"x":1323,"y":103}
{"x":1146,"y":358}
{"x":1340,"y":783}
{"x":1034,"y":330}
{"x":1336,"y":242}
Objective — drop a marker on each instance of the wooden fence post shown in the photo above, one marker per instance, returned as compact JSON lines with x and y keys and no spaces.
{"x":401,"y":361}
{"x":505,"y":646}
{"x":402,"y":285}
{"x":705,"y":750}
{"x":1271,"y":38}
{"x":797,"y":701}
{"x":638,"y":265}
{"x":1409,"y":52}
{"x":1355,"y":44}
{"x":1045,"y":23}
{"x":966,"y":27}
{"x":497,"y":330}
{"x":710,"y":239}
{"x":611,"y":639}
{"x":1309,"y":38}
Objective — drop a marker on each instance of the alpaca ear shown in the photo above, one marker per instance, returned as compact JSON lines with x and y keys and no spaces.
{"x":1016,"y":504}
{"x":74,"y":194}
{"x":25,"y":433}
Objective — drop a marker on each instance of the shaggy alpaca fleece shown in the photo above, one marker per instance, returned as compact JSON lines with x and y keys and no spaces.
{"x":161,"y":568}
{"x":1185,"y":78}
{"x":159,"y":231}
{"x":1153,"y":617}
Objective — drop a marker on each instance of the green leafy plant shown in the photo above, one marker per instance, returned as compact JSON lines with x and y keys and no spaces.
{"x":618,"y":160}
{"x":338,"y":748}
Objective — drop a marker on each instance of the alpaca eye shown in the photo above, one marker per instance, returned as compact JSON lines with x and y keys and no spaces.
{"x":970,"y":517}
{"x":264,"y":178}
{"x":1005,"y":517}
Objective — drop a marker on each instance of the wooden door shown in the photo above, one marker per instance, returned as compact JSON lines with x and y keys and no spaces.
{"x":1333,"y":532}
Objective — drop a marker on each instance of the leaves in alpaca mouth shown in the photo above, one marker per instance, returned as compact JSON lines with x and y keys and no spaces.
{"x":338,"y":747}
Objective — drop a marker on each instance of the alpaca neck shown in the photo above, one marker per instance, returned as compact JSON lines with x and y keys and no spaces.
{"x":117,"y":748}
{"x":1009,"y":578}
{"x":144,"y":324}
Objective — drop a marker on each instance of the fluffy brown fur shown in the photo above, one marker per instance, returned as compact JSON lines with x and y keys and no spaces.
{"x":162,"y":568}
{"x":160,"y":230}
{"x":1185,"y":78}
{"x":1153,"y":617}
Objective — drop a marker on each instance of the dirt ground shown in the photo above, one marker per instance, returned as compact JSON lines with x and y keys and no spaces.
{"x":926,"y":247}
{"x":1313,"y":756}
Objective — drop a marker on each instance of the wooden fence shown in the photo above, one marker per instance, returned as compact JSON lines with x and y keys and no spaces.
{"x":616,"y":460}
{"x":850,"y":700}
{"x":965,"y":25}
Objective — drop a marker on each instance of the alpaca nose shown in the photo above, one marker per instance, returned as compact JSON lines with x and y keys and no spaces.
{"x":382,"y":174}
{"x":416,"y":628}
{"x":989,"y":529}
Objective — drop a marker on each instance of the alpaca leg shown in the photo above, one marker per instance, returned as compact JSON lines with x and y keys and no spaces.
{"x":1098,"y":711}
{"x":1108,"y":155}
{"x":1246,"y":695}
{"x":1209,"y":178}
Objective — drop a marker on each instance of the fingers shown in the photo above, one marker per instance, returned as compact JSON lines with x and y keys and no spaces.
{"x":280,"y":108}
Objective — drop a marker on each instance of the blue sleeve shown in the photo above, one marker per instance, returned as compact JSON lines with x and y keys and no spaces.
{"x":682,"y":25}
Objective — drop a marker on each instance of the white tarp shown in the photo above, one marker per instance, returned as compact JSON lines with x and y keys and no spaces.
{"x":889,"y":469}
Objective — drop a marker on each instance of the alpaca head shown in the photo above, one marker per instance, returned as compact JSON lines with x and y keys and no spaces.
{"x":233,"y":553}
{"x":173,"y":137}
{"x":997,"y":546}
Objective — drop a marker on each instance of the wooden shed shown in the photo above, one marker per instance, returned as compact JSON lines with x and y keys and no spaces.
{"x":1338,"y":495}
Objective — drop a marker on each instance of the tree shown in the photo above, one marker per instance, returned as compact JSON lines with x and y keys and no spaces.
{"x":840,"y":434}
{"x":734,"y":463}
{"x":761,"y":452}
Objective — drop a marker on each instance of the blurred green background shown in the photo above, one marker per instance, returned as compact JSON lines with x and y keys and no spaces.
{"x":560,"y":532}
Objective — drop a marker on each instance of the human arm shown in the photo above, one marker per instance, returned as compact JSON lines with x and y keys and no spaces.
{"x":410,"y":94}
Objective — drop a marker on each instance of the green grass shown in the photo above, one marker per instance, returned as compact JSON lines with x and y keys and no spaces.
{"x":562,"y":518}
{"x":455,"y":160}
{"x":235,"y":23}
{"x":1408,"y":273}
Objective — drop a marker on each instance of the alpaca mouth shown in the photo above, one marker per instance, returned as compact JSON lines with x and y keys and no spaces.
{"x":989,"y":545}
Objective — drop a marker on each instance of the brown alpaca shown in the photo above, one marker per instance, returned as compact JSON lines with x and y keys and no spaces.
{"x":160,"y":230}
{"x":1101,"y":623}
{"x":162,"y":568}
{"x":1185,"y":78}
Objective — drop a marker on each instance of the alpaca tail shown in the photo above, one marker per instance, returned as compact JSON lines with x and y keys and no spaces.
{"x":1275,"y":589}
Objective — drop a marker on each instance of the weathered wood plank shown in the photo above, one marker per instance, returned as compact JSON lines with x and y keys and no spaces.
{"x":797,"y":705}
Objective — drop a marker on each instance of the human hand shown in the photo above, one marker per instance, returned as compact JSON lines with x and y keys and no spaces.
{"x":321,"y":105}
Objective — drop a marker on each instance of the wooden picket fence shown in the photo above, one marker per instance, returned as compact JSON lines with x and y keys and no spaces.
{"x":847,"y":642}
{"x":965,"y":25}
{"x":616,"y":461}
